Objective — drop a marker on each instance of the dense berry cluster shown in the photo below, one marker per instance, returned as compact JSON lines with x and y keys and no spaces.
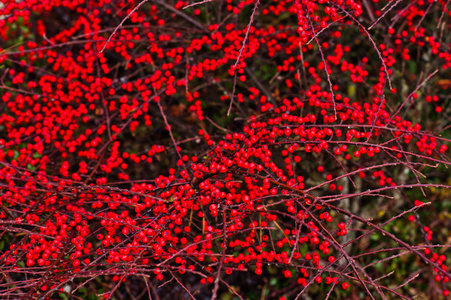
{"x":202,"y":148}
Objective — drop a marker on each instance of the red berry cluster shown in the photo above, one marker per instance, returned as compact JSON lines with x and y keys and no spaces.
{"x":195,"y":147}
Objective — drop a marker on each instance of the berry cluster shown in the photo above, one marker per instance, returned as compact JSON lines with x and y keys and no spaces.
{"x":200,"y":147}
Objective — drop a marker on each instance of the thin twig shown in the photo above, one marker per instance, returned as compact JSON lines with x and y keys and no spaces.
{"x":374,"y":45}
{"x":168,"y":127}
{"x":411,"y":94}
{"x":386,"y":12}
{"x":241,"y":52}
{"x":120,"y":24}
{"x":325,"y":66}
{"x":182,"y":14}
{"x":197,"y":3}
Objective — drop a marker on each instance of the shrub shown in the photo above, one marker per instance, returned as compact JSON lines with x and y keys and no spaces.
{"x":224,"y":149}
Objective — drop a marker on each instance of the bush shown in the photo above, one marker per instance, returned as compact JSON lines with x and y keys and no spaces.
{"x":225,"y":149}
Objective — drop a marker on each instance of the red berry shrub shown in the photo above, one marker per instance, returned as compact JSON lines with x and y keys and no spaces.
{"x":263,"y":149}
